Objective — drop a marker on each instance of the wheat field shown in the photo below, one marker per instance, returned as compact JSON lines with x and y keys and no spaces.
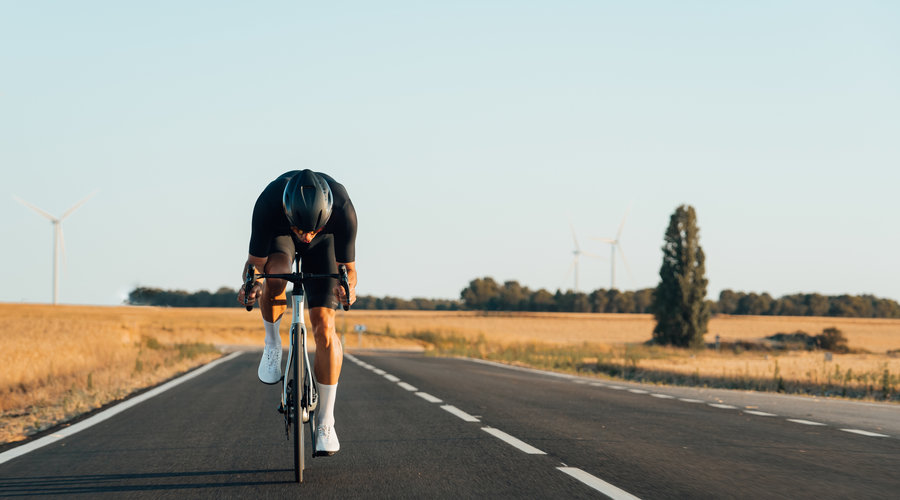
{"x":60,"y":361}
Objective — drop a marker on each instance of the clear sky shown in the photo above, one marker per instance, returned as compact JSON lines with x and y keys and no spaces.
{"x":469,"y":134}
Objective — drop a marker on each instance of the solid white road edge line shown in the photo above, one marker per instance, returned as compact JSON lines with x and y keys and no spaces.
{"x":109,"y":412}
{"x":521,"y":368}
{"x":598,"y":484}
{"x":521,"y":445}
{"x":459,"y":413}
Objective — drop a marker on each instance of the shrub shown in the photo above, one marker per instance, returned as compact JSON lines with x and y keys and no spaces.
{"x":832,"y":339}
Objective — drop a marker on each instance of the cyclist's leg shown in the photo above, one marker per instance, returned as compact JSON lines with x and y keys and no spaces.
{"x":272,"y":304}
{"x":329,"y":353}
{"x":318,"y":257}
{"x":273,"y":301}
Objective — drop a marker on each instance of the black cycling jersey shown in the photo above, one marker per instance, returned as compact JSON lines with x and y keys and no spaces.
{"x":270,"y":221}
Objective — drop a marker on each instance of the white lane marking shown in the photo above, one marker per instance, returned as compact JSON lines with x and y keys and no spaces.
{"x":638,"y":391}
{"x":520,"y":368}
{"x":687,"y":400}
{"x":429,"y":397}
{"x":617,"y":387}
{"x":598,"y":484}
{"x":378,"y":371}
{"x":111,"y":412}
{"x":521,"y":445}
{"x":760,"y":413}
{"x":580,"y":381}
{"x":804,"y":422}
{"x":662,"y":396}
{"x":459,"y":413}
{"x":865,"y":433}
{"x":392,"y":378}
{"x":723,"y":406}
{"x":407,"y":386}
{"x":598,"y":384}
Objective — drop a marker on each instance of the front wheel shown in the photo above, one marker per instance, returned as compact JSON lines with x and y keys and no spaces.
{"x":297,"y":410}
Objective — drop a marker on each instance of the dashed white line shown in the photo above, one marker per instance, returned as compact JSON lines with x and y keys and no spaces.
{"x":865,"y":433}
{"x":804,"y":422}
{"x":407,"y":386}
{"x":459,"y":413}
{"x":598,"y":484}
{"x":429,"y":397}
{"x":586,"y":478}
{"x":521,"y":445}
{"x":760,"y":413}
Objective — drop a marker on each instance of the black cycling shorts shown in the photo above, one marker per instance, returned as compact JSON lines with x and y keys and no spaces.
{"x":315,"y":257}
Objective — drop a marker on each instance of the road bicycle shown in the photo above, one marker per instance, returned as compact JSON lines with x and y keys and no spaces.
{"x":299,"y":395}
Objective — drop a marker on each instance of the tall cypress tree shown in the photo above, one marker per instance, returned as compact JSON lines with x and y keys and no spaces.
{"x":679,"y":301}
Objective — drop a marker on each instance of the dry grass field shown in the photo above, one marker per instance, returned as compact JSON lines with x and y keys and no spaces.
{"x":60,"y":361}
{"x":612,"y":344}
{"x":875,"y":335}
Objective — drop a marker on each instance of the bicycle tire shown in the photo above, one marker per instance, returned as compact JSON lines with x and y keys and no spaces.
{"x":297,"y":416}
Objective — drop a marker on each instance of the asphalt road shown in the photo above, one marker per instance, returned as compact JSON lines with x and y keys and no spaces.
{"x":412,"y":427}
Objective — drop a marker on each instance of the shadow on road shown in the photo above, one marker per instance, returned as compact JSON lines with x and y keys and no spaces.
{"x":109,"y":483}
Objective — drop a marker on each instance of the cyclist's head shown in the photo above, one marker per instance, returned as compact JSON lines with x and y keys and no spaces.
{"x":307,"y":201}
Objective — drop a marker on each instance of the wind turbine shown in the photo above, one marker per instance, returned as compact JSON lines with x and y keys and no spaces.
{"x":616,"y":243}
{"x":577,"y":253}
{"x":59,"y":243}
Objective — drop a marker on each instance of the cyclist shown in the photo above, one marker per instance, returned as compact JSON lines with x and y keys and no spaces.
{"x":307,"y":214}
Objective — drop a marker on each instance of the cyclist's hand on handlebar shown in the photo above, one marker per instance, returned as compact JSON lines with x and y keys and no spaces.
{"x":342,"y":296}
{"x":249,"y":299}
{"x":346,"y":288}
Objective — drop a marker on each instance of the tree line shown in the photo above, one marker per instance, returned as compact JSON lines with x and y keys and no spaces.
{"x":678,"y":302}
{"x":806,"y":304}
{"x":486,"y":294}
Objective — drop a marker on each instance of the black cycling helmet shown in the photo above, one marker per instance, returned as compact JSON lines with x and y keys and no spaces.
{"x":307,"y":201}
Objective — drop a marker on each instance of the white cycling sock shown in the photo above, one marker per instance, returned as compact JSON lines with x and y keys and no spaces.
{"x":325,"y":413}
{"x":273,"y":337}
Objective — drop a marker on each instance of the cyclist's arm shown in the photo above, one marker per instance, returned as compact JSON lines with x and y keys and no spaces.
{"x":351,"y":277}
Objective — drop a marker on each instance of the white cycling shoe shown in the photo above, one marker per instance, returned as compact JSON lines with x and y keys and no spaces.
{"x":326,"y":441}
{"x":270,"y":365}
